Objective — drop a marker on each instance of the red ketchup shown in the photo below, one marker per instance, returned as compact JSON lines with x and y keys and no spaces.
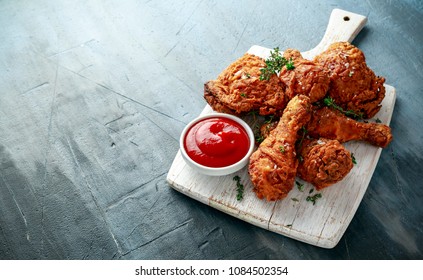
{"x":216,"y":142}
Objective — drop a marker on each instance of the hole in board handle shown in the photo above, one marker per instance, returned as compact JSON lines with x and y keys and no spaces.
{"x":346,"y":18}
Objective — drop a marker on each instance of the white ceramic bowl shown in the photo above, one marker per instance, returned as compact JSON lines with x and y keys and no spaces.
{"x":218,"y":171}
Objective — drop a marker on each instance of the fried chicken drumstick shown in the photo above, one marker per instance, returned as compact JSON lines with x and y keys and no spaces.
{"x":326,"y":161}
{"x":273,"y":166}
{"x":332,"y":124}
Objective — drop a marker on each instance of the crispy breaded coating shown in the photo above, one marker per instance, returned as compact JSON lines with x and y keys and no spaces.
{"x":341,"y":73}
{"x":323,"y":162}
{"x":273,"y":166}
{"x":353,"y":85}
{"x":267,"y":127}
{"x":238,"y":89}
{"x":332,"y":124}
{"x":307,"y":78}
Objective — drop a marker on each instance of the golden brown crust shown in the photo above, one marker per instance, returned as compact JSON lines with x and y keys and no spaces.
{"x":332,"y":124}
{"x":307,"y":78}
{"x":238,"y":89}
{"x":342,"y":73}
{"x":324,"y":162}
{"x":267,"y":127}
{"x":273,"y":166}
{"x":210,"y":92}
{"x":353,"y":85}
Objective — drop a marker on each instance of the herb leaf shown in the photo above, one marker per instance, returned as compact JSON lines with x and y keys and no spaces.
{"x":239,"y":188}
{"x":257,"y":135}
{"x":274,"y":64}
{"x":299,"y":186}
{"x":290,"y":64}
{"x":329,"y":102}
{"x":354,"y":161}
{"x":314,"y":198}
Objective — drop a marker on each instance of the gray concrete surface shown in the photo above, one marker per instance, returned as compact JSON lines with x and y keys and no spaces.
{"x":94,"y":96}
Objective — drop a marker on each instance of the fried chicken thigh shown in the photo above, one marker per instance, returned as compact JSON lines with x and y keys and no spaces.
{"x":273,"y":166}
{"x":324,"y":162}
{"x":332,"y":124}
{"x":238,"y":89}
{"x":353,"y":85}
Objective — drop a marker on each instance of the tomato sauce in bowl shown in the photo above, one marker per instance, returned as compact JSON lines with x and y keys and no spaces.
{"x":217,"y":144}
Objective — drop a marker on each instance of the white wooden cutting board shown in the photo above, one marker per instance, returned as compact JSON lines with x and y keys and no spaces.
{"x":321,"y":224}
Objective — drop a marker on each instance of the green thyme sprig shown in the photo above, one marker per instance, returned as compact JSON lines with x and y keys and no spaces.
{"x":329,"y":102}
{"x":299,"y":186}
{"x":258,"y":136}
{"x":269,"y":119}
{"x":239,"y":188}
{"x":274,"y":64}
{"x":314,"y":198}
{"x":354,"y":161}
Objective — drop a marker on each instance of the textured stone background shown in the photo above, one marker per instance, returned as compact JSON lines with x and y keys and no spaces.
{"x":94,"y":96}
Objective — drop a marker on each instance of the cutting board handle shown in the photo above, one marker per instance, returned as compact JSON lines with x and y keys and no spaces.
{"x":343,"y":26}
